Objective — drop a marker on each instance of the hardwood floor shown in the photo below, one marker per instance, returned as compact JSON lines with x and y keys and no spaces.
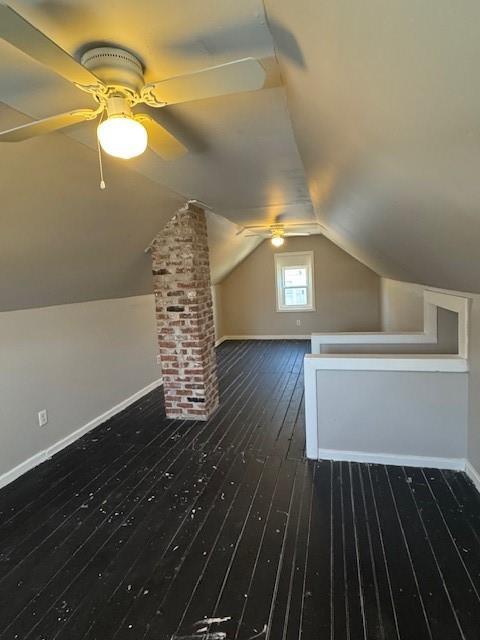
{"x":148,"y":526}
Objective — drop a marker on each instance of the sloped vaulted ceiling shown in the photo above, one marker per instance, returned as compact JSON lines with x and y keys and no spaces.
{"x":385,"y":102}
{"x":243,"y":159}
{"x":63,"y":240}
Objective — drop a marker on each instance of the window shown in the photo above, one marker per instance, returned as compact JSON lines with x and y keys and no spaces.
{"x":294,"y":276}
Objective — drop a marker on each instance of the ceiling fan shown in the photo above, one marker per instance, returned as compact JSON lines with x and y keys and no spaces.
{"x":277,"y":233}
{"x":114,"y":78}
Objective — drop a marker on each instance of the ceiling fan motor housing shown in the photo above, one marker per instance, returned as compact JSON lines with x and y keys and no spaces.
{"x":118,"y":106}
{"x":115,"y":67}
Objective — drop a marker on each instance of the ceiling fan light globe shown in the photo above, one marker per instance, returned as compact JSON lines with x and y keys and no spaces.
{"x":277,"y":241}
{"x":122,"y":137}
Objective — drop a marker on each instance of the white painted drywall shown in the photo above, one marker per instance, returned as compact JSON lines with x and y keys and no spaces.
{"x":473,"y":448}
{"x":77,"y":361}
{"x":400,"y":298}
{"x":227,"y":247}
{"x":401,"y":305}
{"x":217,"y":311}
{"x":384,"y":111}
{"x":402,"y":413}
{"x":446,"y":340}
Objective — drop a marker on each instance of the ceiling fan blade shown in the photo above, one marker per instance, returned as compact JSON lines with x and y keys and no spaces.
{"x":233,"y":77}
{"x":47,"y":125}
{"x":191,"y":136}
{"x":24,"y":36}
{"x":294,"y":234}
{"x":161,"y":141}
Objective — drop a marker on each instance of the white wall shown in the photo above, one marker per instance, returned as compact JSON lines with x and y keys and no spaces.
{"x":227,"y":247}
{"x":473,"y":444}
{"x":77,"y":361}
{"x":401,"y":305}
{"x":397,"y":294}
{"x":217,"y":310}
{"x":398,"y":413}
{"x":446,"y":341}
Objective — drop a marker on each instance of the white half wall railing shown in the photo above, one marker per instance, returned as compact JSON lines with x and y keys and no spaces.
{"x":407,"y":409}
{"x":431,"y":301}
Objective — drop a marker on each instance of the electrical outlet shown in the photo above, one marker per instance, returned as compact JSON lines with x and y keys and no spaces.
{"x":159,"y":361}
{"x":299,"y":322}
{"x":42,"y":418}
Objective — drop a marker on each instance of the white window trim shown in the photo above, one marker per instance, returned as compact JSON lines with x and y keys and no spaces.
{"x":281,"y":308}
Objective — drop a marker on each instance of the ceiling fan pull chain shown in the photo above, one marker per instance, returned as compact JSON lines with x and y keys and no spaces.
{"x":100,"y":165}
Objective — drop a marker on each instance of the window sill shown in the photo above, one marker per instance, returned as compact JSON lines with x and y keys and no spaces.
{"x":296,"y":310}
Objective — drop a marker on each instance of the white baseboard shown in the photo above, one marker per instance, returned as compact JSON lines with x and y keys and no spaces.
{"x":473,"y":474}
{"x":457,"y":464}
{"x":220,"y":340}
{"x":46,"y":454}
{"x":265,"y":337}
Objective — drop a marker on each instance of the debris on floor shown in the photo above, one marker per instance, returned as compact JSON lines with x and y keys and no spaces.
{"x":215,"y":635}
{"x":202,"y":631}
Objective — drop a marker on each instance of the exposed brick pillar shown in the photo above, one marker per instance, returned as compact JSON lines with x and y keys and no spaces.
{"x":186,"y":334}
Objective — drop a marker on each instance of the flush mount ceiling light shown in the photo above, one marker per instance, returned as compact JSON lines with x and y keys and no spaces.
{"x":114,"y":78}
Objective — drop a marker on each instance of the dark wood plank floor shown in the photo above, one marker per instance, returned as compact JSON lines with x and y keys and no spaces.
{"x":148,"y":527}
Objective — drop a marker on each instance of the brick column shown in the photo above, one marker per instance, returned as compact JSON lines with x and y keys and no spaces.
{"x":183,"y":298}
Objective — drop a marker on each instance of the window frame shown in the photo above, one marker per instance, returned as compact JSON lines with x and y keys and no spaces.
{"x":305,"y":260}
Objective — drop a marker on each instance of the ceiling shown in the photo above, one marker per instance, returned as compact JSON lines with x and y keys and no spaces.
{"x":386,"y":114}
{"x":376,"y":133}
{"x":243,"y":159}
{"x":227,"y":247}
{"x":63,"y":240}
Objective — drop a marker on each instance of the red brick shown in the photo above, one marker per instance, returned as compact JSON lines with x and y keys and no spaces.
{"x":181,"y":276}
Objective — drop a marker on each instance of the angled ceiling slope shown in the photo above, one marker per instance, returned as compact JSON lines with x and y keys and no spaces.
{"x":243,"y":158}
{"x":386,"y":113}
{"x":64,"y":240}
{"x":61,"y":239}
{"x":227,"y":247}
